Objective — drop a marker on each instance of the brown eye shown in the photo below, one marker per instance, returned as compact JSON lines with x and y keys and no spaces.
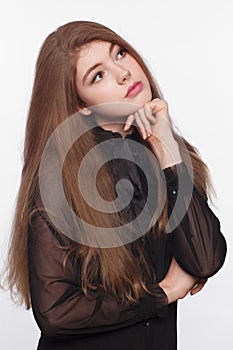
{"x":94,"y":78}
{"x":122,"y":51}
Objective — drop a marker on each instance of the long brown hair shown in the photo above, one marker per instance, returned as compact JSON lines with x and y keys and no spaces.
{"x":54,"y":99}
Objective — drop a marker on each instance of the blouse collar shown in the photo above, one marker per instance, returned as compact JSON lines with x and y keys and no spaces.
{"x":109,"y":134}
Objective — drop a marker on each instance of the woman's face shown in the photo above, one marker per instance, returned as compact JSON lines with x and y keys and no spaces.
{"x":104,"y":74}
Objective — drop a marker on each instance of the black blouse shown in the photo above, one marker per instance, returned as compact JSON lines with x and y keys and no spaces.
{"x":68,"y":320}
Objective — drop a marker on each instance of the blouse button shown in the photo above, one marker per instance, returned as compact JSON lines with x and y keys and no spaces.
{"x":146,"y":323}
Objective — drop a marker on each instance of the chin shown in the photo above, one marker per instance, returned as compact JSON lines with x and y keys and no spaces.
{"x":123,"y":108}
{"x":115,"y":109}
{"x":143,"y":97}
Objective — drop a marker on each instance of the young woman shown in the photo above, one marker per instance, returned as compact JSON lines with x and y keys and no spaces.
{"x":89,"y":290}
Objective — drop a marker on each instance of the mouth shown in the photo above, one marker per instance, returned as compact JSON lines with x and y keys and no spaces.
{"x":134,"y":89}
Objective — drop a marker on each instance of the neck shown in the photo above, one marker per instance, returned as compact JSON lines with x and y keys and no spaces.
{"x":115,"y":127}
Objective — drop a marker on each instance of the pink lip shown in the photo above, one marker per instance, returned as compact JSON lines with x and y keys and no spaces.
{"x":134,"y":89}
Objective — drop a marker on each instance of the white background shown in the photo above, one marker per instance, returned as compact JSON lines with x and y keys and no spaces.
{"x":188,"y":46}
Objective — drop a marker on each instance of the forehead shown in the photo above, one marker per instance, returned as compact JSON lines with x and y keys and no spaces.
{"x":95,"y":45}
{"x":93,"y":50}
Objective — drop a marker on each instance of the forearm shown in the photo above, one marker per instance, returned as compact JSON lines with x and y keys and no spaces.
{"x":167,"y":153}
{"x":177,"y":282}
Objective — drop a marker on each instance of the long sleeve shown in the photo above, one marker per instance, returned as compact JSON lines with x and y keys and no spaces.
{"x":58,"y":304}
{"x":196,"y":242}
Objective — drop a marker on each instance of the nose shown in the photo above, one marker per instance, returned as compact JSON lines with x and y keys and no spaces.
{"x":124,"y":76}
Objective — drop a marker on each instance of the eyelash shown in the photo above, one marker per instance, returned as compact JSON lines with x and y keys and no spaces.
{"x":121,"y":50}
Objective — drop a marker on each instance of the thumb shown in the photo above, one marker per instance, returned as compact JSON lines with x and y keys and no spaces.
{"x":129,"y":122}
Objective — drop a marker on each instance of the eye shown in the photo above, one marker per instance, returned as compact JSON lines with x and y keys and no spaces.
{"x":122,"y":51}
{"x":94,"y":78}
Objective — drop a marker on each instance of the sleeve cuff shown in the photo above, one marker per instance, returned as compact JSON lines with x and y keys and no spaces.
{"x":153,"y":306}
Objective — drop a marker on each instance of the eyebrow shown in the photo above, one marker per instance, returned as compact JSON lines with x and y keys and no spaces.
{"x":97,"y":64}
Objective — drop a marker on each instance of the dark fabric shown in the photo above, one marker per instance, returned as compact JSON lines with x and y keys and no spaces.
{"x":68,"y":320}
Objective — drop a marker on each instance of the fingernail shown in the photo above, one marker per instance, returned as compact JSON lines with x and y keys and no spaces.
{"x":125,"y":128}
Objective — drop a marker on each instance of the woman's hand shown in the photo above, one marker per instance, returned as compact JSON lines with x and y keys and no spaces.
{"x":153,"y":121}
{"x":178,"y":283}
{"x":154,"y":125}
{"x":199,"y":285}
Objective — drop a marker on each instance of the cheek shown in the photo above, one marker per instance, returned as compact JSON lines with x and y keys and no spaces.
{"x":93,"y":94}
{"x":96,"y":96}
{"x":148,"y":93}
{"x":102,"y":93}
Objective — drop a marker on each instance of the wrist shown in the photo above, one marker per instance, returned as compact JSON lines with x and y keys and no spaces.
{"x":167,"y":152}
{"x":171,"y":291}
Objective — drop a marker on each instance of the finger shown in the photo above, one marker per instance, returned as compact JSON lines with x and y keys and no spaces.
{"x":154,"y":105}
{"x":129,"y":122}
{"x":196,"y":289}
{"x":159,"y":107}
{"x":199,"y":287}
{"x":145,"y":121}
{"x":149,"y":114}
{"x":140,"y":125}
